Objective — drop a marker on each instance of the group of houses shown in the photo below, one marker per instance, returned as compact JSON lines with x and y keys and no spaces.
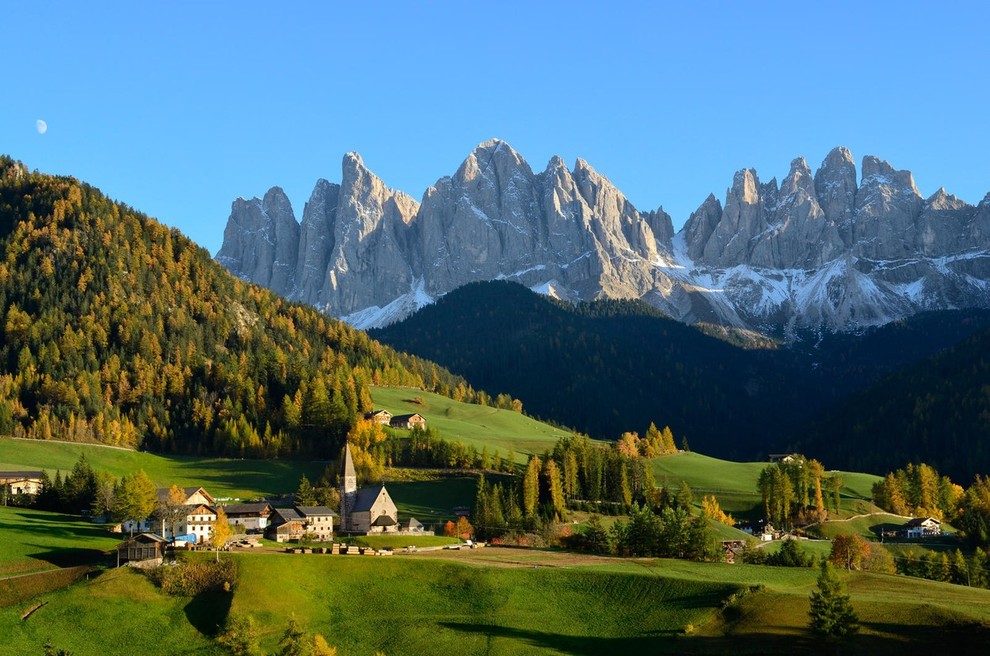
{"x":386,"y":418}
{"x":367,"y":510}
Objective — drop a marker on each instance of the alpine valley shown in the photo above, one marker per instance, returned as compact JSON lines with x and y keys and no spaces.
{"x":818,"y":252}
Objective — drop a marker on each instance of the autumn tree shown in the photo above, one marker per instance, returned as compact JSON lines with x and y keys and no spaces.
{"x":240,"y":635}
{"x":221,"y":532}
{"x":531,"y":487}
{"x":849,"y":551}
{"x":554,"y":487}
{"x":171,"y":507}
{"x":134,"y":497}
{"x":711,"y":509}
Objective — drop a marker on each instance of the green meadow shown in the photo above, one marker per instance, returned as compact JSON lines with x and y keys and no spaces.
{"x":222,"y":477}
{"x":33,"y":540}
{"x":472,"y":424}
{"x":500,"y":601}
{"x":734,"y":483}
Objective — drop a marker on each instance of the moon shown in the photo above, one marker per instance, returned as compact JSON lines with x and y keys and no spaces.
{"x":41,"y":126}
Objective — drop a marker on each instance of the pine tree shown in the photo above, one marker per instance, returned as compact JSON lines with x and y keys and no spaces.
{"x":304,"y":494}
{"x":832,"y":615}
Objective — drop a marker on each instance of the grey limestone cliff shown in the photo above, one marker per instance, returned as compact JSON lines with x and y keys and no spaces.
{"x":816,"y":251}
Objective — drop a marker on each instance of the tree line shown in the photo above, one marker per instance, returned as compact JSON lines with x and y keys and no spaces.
{"x":797,"y":491}
{"x":921,"y":491}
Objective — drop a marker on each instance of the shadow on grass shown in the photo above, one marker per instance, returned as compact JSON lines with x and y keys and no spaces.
{"x":207,"y":612}
{"x":72,"y":556}
{"x":894,"y":639}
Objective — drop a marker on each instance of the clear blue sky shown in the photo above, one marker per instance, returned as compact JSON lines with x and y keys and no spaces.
{"x":178,"y":108}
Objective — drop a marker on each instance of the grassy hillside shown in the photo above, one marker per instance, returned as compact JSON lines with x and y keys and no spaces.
{"x":34,"y":540}
{"x":118,"y":612}
{"x":501,"y":601}
{"x":734,"y":483}
{"x":472,"y":424}
{"x":222,"y":477}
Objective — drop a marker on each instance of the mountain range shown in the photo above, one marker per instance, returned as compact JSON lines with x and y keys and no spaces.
{"x":820,"y":251}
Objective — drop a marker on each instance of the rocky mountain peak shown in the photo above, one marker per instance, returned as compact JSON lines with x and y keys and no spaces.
{"x":835,"y":185}
{"x":879,"y":172}
{"x":942,"y":200}
{"x":815,"y":250}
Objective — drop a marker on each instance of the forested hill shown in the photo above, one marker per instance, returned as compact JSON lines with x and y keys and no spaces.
{"x":940,"y":405}
{"x":120,"y":330}
{"x":602,"y":368}
{"x":613,"y":366}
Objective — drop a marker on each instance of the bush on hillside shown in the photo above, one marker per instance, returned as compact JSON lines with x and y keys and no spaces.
{"x":189,"y":579}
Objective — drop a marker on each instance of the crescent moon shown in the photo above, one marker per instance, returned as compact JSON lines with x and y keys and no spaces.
{"x":41,"y":126}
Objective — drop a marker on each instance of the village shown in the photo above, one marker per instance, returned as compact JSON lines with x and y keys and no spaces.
{"x":363,"y":511}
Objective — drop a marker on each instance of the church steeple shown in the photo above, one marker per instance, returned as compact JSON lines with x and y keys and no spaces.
{"x":348,"y":489}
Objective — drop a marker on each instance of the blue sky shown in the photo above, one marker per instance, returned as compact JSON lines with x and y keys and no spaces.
{"x":178,"y":108}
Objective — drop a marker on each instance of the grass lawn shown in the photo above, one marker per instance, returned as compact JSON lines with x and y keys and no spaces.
{"x":222,"y":477}
{"x":472,"y":424}
{"x":34,"y":540}
{"x":432,"y":501}
{"x":402,"y":541}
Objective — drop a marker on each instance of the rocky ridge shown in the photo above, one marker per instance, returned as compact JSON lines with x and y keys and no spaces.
{"x":817,"y":251}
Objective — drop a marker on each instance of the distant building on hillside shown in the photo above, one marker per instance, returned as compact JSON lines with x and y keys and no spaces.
{"x":414,"y":420}
{"x":21,"y":482}
{"x":383,"y":417}
{"x":923,"y":527}
{"x":761,"y":529}
{"x":366,"y":510}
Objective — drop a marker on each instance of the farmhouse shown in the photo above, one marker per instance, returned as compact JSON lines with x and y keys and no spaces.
{"x":414,"y":420}
{"x":368,"y":510}
{"x":295,"y":523}
{"x":142,"y":550}
{"x":923,"y":527}
{"x":383,"y":417}
{"x":761,"y":529}
{"x":252,"y":516}
{"x":21,"y":482}
{"x":196,"y":524}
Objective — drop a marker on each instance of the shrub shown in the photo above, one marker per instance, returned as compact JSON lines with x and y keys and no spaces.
{"x":191,"y":578}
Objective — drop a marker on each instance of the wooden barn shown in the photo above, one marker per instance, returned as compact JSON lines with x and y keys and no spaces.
{"x":142,"y":550}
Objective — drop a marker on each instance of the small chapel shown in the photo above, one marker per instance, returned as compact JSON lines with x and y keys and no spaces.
{"x":364,"y":510}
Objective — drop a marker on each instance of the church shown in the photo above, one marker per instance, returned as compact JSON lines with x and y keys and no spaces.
{"x":365,"y":510}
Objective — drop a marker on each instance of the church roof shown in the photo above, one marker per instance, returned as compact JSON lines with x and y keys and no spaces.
{"x":383,"y":520}
{"x":348,"y":462}
{"x":366,"y":498}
